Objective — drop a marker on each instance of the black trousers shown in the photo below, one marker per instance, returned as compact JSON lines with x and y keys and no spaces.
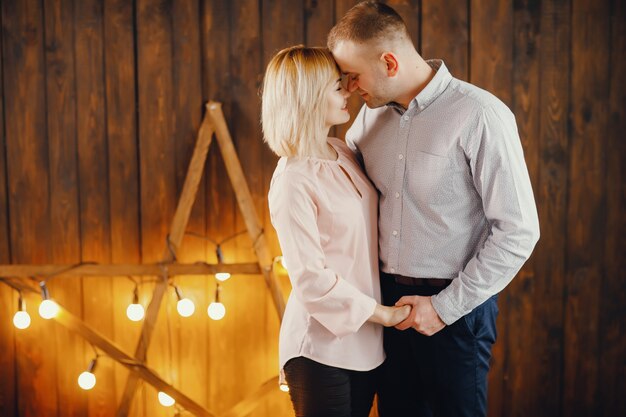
{"x":318,"y":390}
{"x":443,"y":375}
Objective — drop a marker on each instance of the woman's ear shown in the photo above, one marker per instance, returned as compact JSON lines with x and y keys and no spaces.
{"x":391,"y":63}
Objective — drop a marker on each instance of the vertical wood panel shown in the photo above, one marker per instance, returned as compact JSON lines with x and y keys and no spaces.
{"x":8,"y":392}
{"x":157,"y":157}
{"x":28,"y":190}
{"x":190,"y":338}
{"x":64,"y":193}
{"x":586,"y":205}
{"x":612,"y":311}
{"x":445,"y":34}
{"x":123,"y":171}
{"x":318,"y":20}
{"x":549,"y":255}
{"x":94,"y":189}
{"x":522,"y":327}
{"x":491,"y":40}
{"x":220,"y":198}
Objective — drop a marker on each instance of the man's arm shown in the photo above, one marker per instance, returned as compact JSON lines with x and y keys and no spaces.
{"x":501,"y":179}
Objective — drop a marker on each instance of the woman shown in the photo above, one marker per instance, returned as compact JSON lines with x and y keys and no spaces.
{"x":324,"y":210}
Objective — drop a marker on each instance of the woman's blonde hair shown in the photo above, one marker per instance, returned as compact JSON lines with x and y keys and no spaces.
{"x":293,"y":111}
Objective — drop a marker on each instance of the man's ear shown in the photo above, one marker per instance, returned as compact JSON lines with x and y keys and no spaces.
{"x":391,"y":63}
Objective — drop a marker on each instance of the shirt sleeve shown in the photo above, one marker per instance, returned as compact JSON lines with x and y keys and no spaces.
{"x":501,"y":179}
{"x":328,"y":298}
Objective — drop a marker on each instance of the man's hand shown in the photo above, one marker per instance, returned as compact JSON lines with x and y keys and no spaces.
{"x":423,"y":317}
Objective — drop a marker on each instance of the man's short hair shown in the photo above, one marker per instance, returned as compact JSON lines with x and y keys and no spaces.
{"x":293,"y":110}
{"x":366,"y":21}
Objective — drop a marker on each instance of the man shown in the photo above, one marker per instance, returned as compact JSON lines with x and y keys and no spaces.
{"x":457,"y":217}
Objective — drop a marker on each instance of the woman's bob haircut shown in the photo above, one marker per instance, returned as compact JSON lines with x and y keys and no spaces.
{"x":293,"y":112}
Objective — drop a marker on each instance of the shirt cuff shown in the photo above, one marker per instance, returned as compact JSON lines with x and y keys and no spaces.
{"x":445,"y":307}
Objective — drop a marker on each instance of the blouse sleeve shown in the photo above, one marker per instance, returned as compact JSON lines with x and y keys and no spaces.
{"x":328,"y":298}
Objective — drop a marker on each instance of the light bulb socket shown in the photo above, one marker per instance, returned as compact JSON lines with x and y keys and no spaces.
{"x":218,"y":289}
{"x":178,"y":292}
{"x":219,"y":254}
{"x":92,"y":365}
{"x":136,"y":295}
{"x":20,"y":303}
{"x":45,"y":294}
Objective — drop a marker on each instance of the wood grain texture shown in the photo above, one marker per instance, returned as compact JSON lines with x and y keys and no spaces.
{"x":586,"y":208}
{"x":445,"y":34}
{"x":64,"y":191}
{"x":8,"y":305}
{"x":612,"y":311}
{"x":100,"y":102}
{"x":24,"y":74}
{"x":123,"y":171}
{"x":524,"y":297}
{"x":94,"y":185}
{"x":545,"y":388}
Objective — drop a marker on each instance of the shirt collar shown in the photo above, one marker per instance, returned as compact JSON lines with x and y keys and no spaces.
{"x":433,"y":89}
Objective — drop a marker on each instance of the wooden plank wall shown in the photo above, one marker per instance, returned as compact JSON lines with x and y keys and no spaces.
{"x":100,"y":101}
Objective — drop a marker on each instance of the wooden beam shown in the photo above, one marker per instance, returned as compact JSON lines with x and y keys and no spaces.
{"x":106,"y":270}
{"x":174,"y":240}
{"x":137,"y":368}
{"x":245,"y":406}
{"x":246,"y":204}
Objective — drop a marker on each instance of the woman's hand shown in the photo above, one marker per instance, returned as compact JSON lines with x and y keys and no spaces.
{"x":390,"y":316}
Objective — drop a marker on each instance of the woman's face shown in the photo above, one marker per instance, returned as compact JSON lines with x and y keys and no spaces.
{"x":336,"y":104}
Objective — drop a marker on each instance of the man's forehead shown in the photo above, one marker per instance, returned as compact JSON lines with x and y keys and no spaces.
{"x":348,"y":55}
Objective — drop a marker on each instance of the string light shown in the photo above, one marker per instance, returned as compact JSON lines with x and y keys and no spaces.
{"x":216,"y":310}
{"x":284,"y":387}
{"x":47,"y":309}
{"x":166,"y":400}
{"x":87,"y":380}
{"x":135,"y":310}
{"x":21,"y":319}
{"x":220,"y":276}
{"x":184,"y":306}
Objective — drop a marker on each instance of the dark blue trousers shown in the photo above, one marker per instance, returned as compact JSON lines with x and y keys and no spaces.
{"x":444,"y":375}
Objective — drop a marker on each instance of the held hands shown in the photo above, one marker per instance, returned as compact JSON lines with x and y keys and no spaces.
{"x":423,"y":317}
{"x":390,"y":316}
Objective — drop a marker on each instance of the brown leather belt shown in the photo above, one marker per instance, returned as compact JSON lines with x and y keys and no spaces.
{"x":422,"y":282}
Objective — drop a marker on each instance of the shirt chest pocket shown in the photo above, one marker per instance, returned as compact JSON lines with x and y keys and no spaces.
{"x":429,"y":178}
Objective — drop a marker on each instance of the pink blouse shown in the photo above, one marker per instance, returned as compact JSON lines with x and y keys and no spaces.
{"x":325,"y":215}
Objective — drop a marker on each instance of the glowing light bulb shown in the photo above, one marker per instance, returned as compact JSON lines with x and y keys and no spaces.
{"x":21,"y":320}
{"x":216,"y":310}
{"x":185,"y":307}
{"x":135,"y":312}
{"x":166,"y":400}
{"x":222,"y":276}
{"x":48,"y":309}
{"x":86,"y":380}
{"x":284,"y":387}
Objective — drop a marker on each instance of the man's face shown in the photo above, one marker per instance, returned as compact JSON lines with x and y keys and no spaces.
{"x":364,"y":73}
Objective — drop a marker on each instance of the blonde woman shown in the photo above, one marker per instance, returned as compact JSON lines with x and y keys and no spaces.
{"x":324,"y":210}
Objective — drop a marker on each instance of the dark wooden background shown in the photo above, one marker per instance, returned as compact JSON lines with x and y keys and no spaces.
{"x":100,"y":102}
